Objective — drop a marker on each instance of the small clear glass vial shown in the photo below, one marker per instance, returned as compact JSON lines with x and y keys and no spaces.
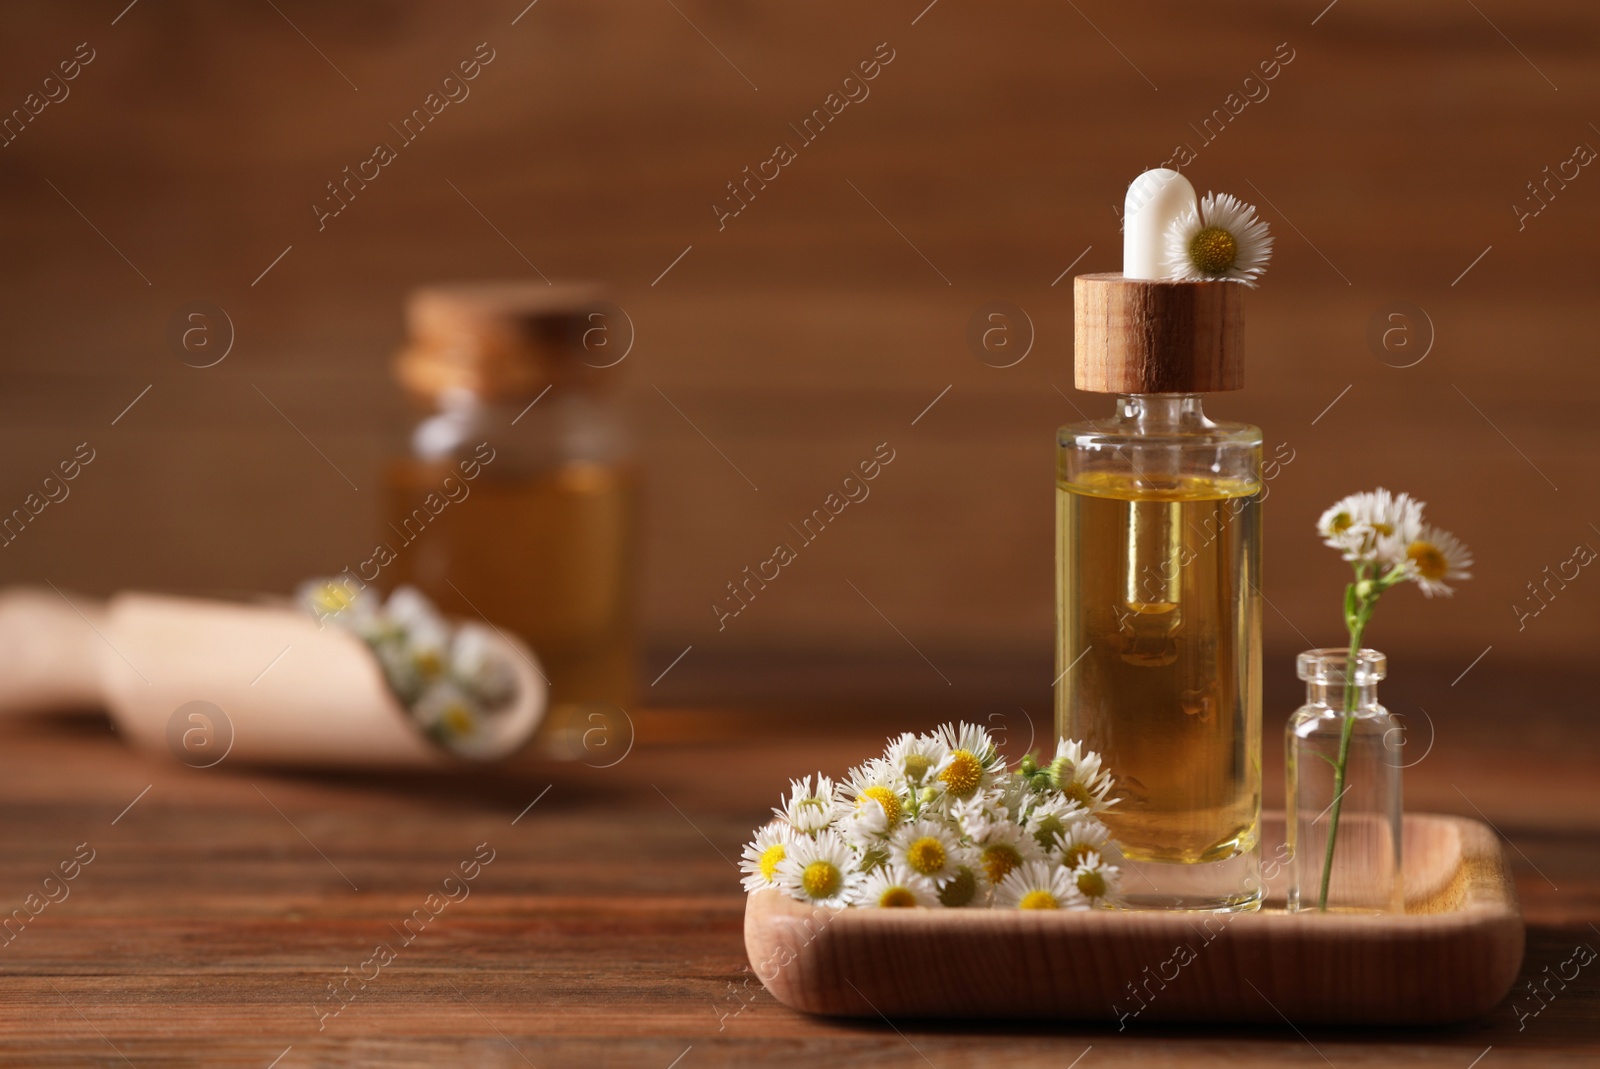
{"x":1343,"y":799}
{"x":514,"y":499}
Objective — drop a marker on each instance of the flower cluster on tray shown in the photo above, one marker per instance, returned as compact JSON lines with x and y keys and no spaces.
{"x":941,"y":822}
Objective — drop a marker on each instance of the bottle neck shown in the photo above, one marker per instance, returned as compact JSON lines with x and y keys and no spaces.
{"x":1154,"y":413}
{"x":1327,"y":671}
{"x":560,"y":426}
{"x":1331,"y":694}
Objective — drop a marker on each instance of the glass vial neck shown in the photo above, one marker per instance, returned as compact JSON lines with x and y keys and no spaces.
{"x":1326,"y":673}
{"x":1155,"y":412}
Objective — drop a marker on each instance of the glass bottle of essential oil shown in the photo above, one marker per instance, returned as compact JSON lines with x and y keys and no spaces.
{"x":516,"y":501}
{"x":1158,"y":572}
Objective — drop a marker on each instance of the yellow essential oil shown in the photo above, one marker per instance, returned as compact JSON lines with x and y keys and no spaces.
{"x":546,"y":555}
{"x":1158,"y":610}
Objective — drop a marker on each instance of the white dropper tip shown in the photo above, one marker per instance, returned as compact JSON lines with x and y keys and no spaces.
{"x":1155,"y":199}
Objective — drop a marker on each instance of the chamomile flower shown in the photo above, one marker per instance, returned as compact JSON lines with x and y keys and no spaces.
{"x":876,"y":781}
{"x":1096,"y":881}
{"x":809,"y":811}
{"x":971,"y":762}
{"x":1434,"y":556}
{"x":865,"y":827}
{"x":1076,"y":773}
{"x":1219,"y":238}
{"x":915,"y":756}
{"x":1395,"y":515}
{"x":961,"y":889}
{"x":426,"y":631}
{"x":928,"y":848}
{"x":400,"y":670}
{"x":477,"y":664}
{"x":820,"y":870}
{"x":871,"y":856}
{"x":342,"y":600}
{"x":1068,"y":753}
{"x":1396,"y":521}
{"x":931,"y":802}
{"x":1050,"y":818}
{"x":1017,"y":796}
{"x":762,"y":855}
{"x":1039,"y":885}
{"x":894,"y":886}
{"x":1003,"y":850}
{"x":1374,"y":525}
{"x":1083,"y":837}
{"x":449,"y":714}
{"x":975,"y":816}
{"x":1341,"y":528}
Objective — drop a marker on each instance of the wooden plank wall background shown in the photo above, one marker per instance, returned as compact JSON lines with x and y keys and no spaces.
{"x":1387,"y":152}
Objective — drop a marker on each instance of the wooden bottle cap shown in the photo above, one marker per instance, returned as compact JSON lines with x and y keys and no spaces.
{"x":1134,"y":335}
{"x":495,"y":339}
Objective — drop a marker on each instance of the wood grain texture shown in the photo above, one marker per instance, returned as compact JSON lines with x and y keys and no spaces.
{"x":1451,"y":957}
{"x":608,"y":930}
{"x":1142,"y":336}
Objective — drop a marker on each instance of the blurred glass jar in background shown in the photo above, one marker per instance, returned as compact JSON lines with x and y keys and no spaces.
{"x":535,"y":529}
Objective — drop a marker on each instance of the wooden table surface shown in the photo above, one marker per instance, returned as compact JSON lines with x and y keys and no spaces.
{"x":606,"y":930}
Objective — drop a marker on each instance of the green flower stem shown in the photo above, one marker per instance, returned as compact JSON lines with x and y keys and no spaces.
{"x":1344,"y":759}
{"x":1360,"y":599}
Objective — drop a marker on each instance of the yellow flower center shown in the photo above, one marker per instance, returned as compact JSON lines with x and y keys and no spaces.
{"x":917,"y":766}
{"x":821,"y":879}
{"x":457,"y":719}
{"x":1038,"y":900}
{"x":1429,"y":562}
{"x":1073,"y":855}
{"x":1092,"y":884}
{"x":1341,"y":523}
{"x":963,"y":774}
{"x":1077,"y":792}
{"x":769,"y":860}
{"x":429,"y":664}
{"x":884,"y":797}
{"x":1384,"y":529}
{"x":999,"y":859}
{"x":897,"y":898}
{"x":926,"y":855}
{"x":1049,"y":828}
{"x":960,"y":890}
{"x":333,"y":598}
{"x":1213,"y":251}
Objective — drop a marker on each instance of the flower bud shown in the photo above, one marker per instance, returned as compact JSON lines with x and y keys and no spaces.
{"x":1061,"y":770}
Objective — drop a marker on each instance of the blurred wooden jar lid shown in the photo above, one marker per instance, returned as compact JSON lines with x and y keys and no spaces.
{"x":497,"y":339}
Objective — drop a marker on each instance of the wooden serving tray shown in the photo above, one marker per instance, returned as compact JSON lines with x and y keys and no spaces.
{"x":1451,"y":957}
